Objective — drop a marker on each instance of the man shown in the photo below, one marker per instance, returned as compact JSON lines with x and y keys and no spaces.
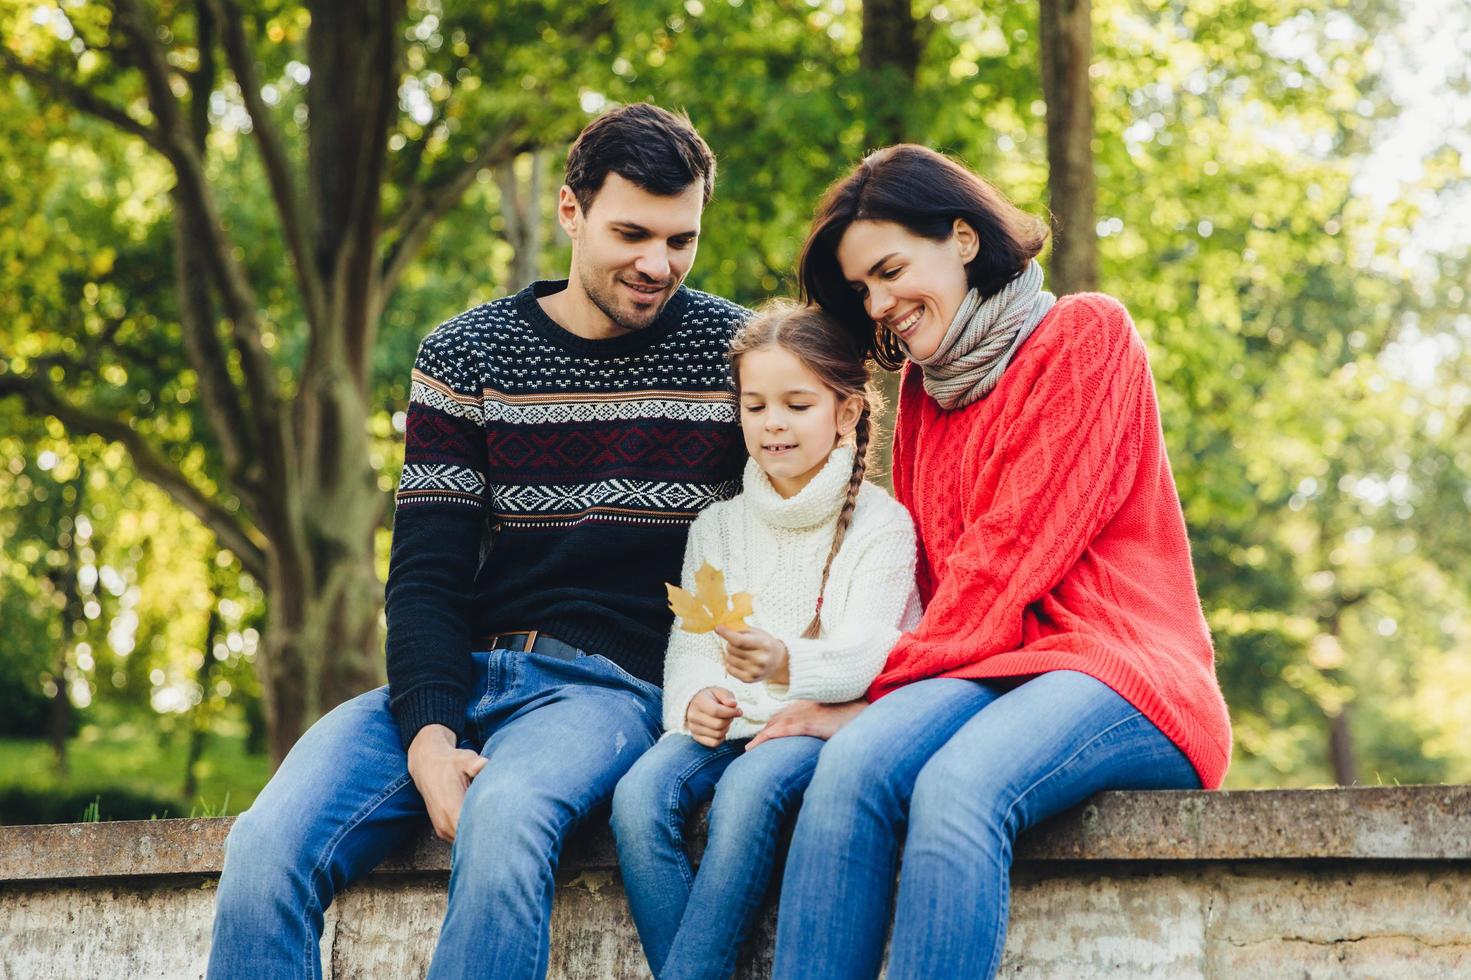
{"x":559,"y":443}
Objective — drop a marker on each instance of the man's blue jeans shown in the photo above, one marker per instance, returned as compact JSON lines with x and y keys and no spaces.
{"x":557,"y":735}
{"x":692,"y":925}
{"x":953,"y":770}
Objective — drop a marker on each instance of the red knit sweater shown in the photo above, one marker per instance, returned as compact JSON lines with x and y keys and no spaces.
{"x":1051,"y":536}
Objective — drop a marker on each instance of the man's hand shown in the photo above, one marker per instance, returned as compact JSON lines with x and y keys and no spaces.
{"x":442,"y":774}
{"x":808,"y":718}
{"x":709,"y":715}
{"x":753,"y":655}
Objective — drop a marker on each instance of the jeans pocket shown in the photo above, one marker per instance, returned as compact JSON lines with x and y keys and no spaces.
{"x":640,"y":685}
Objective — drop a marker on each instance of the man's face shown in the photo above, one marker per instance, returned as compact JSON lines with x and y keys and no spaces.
{"x":632,"y":249}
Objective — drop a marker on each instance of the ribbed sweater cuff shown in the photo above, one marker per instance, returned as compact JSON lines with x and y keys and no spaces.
{"x":429,"y":705}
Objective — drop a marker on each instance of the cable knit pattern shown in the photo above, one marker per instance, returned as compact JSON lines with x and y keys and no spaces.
{"x":1051,"y":534}
{"x":774,"y":548}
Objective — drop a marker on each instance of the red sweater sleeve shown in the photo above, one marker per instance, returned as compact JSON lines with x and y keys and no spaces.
{"x":1050,"y":469}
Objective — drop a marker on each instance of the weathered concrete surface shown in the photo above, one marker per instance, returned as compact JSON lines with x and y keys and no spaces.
{"x":1318,"y":920}
{"x":1256,"y":921}
{"x":1397,"y":823}
{"x":1257,"y":886}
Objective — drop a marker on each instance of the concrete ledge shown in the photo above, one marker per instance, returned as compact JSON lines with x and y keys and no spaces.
{"x":1399,"y":823}
{"x":1250,"y":885}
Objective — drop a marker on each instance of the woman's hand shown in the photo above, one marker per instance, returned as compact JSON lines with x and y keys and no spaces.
{"x":709,"y":715}
{"x":808,"y":718}
{"x":754,"y":655}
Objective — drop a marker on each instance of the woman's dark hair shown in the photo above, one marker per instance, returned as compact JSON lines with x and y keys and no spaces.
{"x":925,"y":192}
{"x":832,"y":353}
{"x":654,"y":148}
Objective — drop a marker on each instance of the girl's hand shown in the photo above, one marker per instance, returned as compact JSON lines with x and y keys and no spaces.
{"x":754,"y":655}
{"x":709,"y":715}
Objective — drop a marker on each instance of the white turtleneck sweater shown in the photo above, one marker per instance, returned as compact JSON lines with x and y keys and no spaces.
{"x":774,"y":548}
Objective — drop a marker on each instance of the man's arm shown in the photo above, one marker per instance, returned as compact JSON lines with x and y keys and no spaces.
{"x":431,"y":582}
{"x":437,"y":531}
{"x":431,"y":577}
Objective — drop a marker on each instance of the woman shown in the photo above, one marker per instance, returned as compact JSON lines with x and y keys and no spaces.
{"x":1062,"y":650}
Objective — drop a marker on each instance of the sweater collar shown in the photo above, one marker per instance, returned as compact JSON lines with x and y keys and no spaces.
{"x":815,"y":504}
{"x":628,"y":344}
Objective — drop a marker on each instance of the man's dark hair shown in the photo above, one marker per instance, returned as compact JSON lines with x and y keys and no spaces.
{"x":655,"y":149}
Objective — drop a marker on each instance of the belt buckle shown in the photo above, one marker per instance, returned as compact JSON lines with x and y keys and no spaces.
{"x":551,"y":646}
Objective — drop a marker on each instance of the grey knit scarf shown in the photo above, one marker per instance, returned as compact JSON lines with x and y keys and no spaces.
{"x":983,"y":338}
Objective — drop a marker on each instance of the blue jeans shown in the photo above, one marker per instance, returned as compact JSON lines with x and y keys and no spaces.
{"x":557,"y":736}
{"x":693,"y":925}
{"x":953,"y":770}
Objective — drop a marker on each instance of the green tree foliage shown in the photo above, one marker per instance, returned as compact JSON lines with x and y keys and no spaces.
{"x":1326,"y":484}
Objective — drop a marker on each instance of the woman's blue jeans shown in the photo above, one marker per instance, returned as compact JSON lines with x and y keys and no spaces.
{"x":953,"y":770}
{"x":557,"y":735}
{"x":693,"y":925}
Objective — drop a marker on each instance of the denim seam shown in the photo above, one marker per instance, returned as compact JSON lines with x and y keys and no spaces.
{"x":796,"y":775}
{"x":994,"y":962}
{"x":643,"y":685}
{"x":560,"y":838}
{"x":494,"y":681}
{"x":671,"y":807}
{"x":320,"y":868}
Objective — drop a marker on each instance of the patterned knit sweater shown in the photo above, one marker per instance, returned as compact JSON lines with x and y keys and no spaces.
{"x":549,"y":483}
{"x":1051,"y":536}
{"x":774,"y":548}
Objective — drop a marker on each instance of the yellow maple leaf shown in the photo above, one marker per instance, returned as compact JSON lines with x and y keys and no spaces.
{"x":709,"y":607}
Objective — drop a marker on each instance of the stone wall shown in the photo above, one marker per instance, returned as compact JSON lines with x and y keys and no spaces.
{"x":1270,"y":884}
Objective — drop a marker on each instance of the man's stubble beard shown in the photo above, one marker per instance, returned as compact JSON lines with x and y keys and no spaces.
{"x":609,"y":308}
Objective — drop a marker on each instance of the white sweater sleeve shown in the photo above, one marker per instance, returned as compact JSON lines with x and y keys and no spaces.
{"x":693,"y":661}
{"x":861,"y":622}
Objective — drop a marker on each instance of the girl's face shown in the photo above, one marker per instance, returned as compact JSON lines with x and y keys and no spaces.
{"x":910,"y":285}
{"x":790,"y":419}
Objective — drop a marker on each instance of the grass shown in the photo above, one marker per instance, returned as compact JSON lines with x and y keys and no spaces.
{"x":129,"y":758}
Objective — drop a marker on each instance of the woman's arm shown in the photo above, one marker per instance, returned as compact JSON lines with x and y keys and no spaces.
{"x":1064,"y":460}
{"x":808,"y":718}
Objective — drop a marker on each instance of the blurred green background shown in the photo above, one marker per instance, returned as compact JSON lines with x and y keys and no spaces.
{"x":206,"y":327}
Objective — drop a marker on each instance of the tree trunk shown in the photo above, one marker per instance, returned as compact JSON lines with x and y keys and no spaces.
{"x":1067,"y":50}
{"x":521,"y":207}
{"x":60,"y":711}
{"x":322,"y":646}
{"x":889,"y":60}
{"x":1341,"y":748}
{"x":296,"y":497}
{"x":59,"y":714}
{"x":197,"y":718}
{"x":322,"y":642}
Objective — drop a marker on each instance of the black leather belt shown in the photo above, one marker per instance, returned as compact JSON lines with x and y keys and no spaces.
{"x":533,"y":641}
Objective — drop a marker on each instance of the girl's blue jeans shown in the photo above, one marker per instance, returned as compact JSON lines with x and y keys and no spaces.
{"x":557,"y":735}
{"x":693,"y":924}
{"x":953,"y":770}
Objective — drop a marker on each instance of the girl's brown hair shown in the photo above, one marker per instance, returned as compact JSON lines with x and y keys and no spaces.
{"x":925,"y":192}
{"x":833,"y":354}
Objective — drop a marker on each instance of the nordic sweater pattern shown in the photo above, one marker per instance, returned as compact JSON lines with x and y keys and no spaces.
{"x":549,"y":483}
{"x":775,"y":548}
{"x":1051,"y":536}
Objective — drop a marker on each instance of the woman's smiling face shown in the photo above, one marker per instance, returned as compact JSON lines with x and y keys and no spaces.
{"x":910,"y":285}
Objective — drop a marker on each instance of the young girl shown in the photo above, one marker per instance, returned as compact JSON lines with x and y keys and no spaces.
{"x":830,"y":561}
